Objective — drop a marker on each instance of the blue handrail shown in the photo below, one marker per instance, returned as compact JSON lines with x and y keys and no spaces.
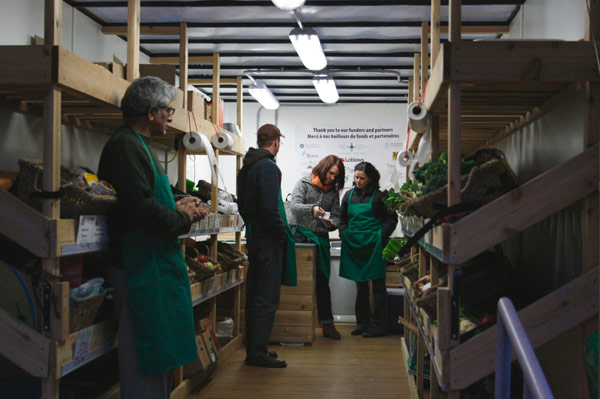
{"x":511,"y":332}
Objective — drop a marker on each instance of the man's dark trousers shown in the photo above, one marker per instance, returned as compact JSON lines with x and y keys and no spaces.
{"x":263,"y":287}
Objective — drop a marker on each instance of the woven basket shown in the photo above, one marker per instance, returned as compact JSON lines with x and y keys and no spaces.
{"x":411,"y":271}
{"x":483,"y":184}
{"x":428,"y":302}
{"x":73,"y":200}
{"x":201,"y":272}
{"x":228,"y":257}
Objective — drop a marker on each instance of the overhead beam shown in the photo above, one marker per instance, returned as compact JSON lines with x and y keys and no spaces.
{"x":172,"y":57}
{"x":173,"y":30}
{"x":267,"y":3}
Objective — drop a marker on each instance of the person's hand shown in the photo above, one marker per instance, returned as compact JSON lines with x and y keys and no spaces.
{"x":328,"y":224}
{"x":201,"y":212}
{"x":317,"y":211}
{"x":192,"y":206}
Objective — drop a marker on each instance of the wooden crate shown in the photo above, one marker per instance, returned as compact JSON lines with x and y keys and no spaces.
{"x":295,"y":319}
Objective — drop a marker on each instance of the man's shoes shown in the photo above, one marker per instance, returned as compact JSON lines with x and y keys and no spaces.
{"x":266,"y":361}
{"x":373,"y":334}
{"x":329,"y":331}
{"x":273,"y":354}
{"x":361,"y":328}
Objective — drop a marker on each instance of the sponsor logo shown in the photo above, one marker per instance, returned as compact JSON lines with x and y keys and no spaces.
{"x":301,"y":145}
{"x":351,"y":159}
{"x":309,"y":155}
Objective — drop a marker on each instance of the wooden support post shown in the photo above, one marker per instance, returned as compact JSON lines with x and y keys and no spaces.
{"x":435,"y":31}
{"x":454,"y":92}
{"x":434,"y":387}
{"x":417,"y":77}
{"x":434,"y":268}
{"x":52,"y":139}
{"x":591,"y":215}
{"x":435,"y":137}
{"x":214,"y":199}
{"x":183,"y":61}
{"x":454,"y":109}
{"x":454,"y":23}
{"x":411,"y":94}
{"x":215,"y":120}
{"x":53,"y":22}
{"x":59,"y":323}
{"x":216,"y":97}
{"x":421,"y":365}
{"x":181,"y":167}
{"x":133,"y":39}
{"x":424,"y":55}
{"x":238,"y":234}
{"x":422,"y":262}
{"x":50,"y":384}
{"x":240,"y":102}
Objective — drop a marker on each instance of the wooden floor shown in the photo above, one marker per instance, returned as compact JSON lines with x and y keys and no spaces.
{"x":353,"y":367}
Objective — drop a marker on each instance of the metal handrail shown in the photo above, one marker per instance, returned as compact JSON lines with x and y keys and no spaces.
{"x":511,"y":332}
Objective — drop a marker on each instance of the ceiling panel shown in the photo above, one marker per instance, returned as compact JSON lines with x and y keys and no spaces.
{"x":369,"y":45}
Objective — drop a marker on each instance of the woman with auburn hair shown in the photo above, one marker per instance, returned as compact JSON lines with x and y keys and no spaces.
{"x":314,"y":213}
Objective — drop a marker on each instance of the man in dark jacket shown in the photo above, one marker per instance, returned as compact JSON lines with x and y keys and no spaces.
{"x":259,"y":185}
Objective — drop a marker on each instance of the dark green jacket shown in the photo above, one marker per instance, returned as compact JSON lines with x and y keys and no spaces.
{"x":124,"y":163}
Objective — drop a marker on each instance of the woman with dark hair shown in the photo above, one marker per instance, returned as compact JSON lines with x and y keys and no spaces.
{"x":365,"y":228}
{"x":314,"y":196}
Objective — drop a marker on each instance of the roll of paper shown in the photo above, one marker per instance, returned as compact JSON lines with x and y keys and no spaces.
{"x":192,"y":141}
{"x":195,"y":141}
{"x":418,"y":117}
{"x":404,"y":158}
{"x":222,"y":141}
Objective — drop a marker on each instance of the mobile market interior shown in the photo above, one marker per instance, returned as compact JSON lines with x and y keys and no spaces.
{"x":499,"y":98}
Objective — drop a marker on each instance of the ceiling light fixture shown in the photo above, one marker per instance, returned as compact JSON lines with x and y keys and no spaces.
{"x":326,"y":88}
{"x":263,"y":95}
{"x":288,"y":5}
{"x":308,"y":46}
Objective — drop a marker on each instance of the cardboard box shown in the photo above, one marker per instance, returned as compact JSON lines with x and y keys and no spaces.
{"x":203,"y":360}
{"x":196,"y":103}
{"x":163,"y":71}
{"x":210,"y":345}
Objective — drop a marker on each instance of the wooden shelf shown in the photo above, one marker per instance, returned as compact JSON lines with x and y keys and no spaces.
{"x":502,"y":83}
{"x":199,"y":295}
{"x":543,"y":320}
{"x":524,"y":206}
{"x":102,"y":340}
{"x":91,"y":94}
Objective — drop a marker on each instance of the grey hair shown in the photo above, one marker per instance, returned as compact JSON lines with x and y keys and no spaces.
{"x":144,"y":94}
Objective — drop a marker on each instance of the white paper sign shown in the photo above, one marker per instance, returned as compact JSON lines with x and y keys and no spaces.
{"x":92,"y":229}
{"x":82,"y":345}
{"x":376,"y":144}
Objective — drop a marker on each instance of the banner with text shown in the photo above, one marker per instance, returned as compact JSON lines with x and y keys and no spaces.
{"x":376,"y":144}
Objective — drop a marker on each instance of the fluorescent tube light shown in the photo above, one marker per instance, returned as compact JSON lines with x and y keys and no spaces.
{"x":308,"y":46}
{"x":263,"y":95}
{"x":288,"y":5}
{"x":326,"y":88}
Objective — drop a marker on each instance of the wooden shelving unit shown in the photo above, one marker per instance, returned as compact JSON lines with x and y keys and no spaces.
{"x":477,"y":94}
{"x":49,"y":81}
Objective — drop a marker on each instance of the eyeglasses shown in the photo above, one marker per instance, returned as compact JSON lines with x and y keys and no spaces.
{"x":170,"y":111}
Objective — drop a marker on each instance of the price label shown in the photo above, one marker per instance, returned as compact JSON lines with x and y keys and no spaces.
{"x":92,"y":229}
{"x":82,"y":345}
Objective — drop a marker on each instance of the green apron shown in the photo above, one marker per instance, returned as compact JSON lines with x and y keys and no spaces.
{"x":361,"y":258}
{"x":289,"y":276}
{"x":158,"y":289}
{"x":323,"y":249}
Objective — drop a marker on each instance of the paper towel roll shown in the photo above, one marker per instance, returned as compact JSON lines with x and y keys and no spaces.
{"x":195,"y":141}
{"x":222,"y":141}
{"x":418,"y":117}
{"x":404,"y":158}
{"x":192,"y":141}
